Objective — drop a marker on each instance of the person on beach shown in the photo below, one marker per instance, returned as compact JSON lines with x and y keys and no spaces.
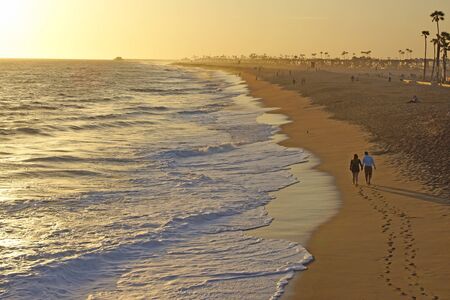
{"x":355,"y":167}
{"x":368,"y":165}
{"x":414,"y":99}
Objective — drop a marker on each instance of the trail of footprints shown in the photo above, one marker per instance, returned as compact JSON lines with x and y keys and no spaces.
{"x":401,"y":245}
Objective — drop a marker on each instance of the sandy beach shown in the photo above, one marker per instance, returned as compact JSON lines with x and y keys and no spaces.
{"x":207,"y":150}
{"x":387,"y":241}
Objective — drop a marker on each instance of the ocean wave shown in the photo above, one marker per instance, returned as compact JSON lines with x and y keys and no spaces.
{"x":128,"y":112}
{"x":143,"y":108}
{"x":138,"y":189}
{"x":109,"y":125}
{"x":172,"y":91}
{"x":205,"y":150}
{"x":97,"y":100}
{"x":23,"y":131}
{"x":60,"y":158}
{"x":194,"y":112}
{"x":81,"y":271}
{"x":70,"y":173}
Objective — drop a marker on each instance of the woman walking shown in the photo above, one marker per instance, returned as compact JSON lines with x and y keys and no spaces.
{"x":355,"y":167}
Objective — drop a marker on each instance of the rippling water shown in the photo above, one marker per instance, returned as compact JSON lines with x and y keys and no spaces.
{"x":136,"y":179}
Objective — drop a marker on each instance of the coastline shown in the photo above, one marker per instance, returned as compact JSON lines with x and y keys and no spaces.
{"x":380,"y":244}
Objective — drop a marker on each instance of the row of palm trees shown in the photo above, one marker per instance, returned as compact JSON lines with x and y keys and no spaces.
{"x":403,"y":54}
{"x":344,"y":54}
{"x":441,"y":46}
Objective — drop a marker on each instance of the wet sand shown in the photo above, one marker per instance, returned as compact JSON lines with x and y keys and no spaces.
{"x":416,"y":136}
{"x":388,"y":241}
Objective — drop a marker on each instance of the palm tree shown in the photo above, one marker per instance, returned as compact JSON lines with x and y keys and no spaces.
{"x":434,"y":41}
{"x":366,"y":53}
{"x":344,"y":54}
{"x":410,"y":52}
{"x":445,"y":43}
{"x":437,"y":16}
{"x":425,"y":34}
{"x":400,"y":52}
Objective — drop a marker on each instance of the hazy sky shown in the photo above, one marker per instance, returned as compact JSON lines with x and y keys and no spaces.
{"x":179,"y":28}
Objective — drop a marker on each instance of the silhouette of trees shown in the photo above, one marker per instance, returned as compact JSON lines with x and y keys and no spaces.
{"x":434,"y":42}
{"x":437,"y":16}
{"x":445,"y":45}
{"x":344,"y":54}
{"x":350,"y":59}
{"x":367,"y":53}
{"x":409,"y":51}
{"x":425,"y":34}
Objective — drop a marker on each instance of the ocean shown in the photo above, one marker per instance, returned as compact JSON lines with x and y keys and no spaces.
{"x":137,"y":180}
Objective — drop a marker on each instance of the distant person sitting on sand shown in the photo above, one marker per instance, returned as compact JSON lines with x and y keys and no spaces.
{"x":355,"y":167}
{"x":352,"y":78}
{"x":368,"y":164}
{"x":414,"y":99}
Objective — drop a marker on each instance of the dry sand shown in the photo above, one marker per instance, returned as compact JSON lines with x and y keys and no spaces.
{"x":419,"y":133}
{"x":388,"y":241}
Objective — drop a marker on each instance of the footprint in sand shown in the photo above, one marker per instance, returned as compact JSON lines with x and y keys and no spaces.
{"x":405,"y":232}
{"x":386,"y":209}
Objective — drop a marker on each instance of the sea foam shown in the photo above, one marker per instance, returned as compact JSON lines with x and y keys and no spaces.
{"x":149,"y":198}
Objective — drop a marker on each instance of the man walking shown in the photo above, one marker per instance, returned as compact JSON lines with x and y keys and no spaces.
{"x":368,"y":164}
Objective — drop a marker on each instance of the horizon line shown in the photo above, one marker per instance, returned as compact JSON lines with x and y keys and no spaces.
{"x":60,"y":58}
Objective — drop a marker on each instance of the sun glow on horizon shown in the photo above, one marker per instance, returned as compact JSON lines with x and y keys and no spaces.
{"x":13,"y":14}
{"x":18,"y":26}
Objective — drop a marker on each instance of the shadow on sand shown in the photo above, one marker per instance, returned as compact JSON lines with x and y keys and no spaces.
{"x":413,"y":194}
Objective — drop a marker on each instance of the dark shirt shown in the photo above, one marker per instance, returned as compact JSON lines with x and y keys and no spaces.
{"x":355,"y":164}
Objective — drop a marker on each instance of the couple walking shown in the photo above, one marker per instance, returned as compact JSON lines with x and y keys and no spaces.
{"x":368,"y":164}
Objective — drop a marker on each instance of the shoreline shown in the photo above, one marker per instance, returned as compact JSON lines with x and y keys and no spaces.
{"x":298,"y":220}
{"x":389,"y":240}
{"x":414,"y":135}
{"x":319,"y":196}
{"x":379,"y":242}
{"x":295,"y":220}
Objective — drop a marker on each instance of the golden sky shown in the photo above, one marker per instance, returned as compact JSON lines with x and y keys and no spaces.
{"x":164,"y":29}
